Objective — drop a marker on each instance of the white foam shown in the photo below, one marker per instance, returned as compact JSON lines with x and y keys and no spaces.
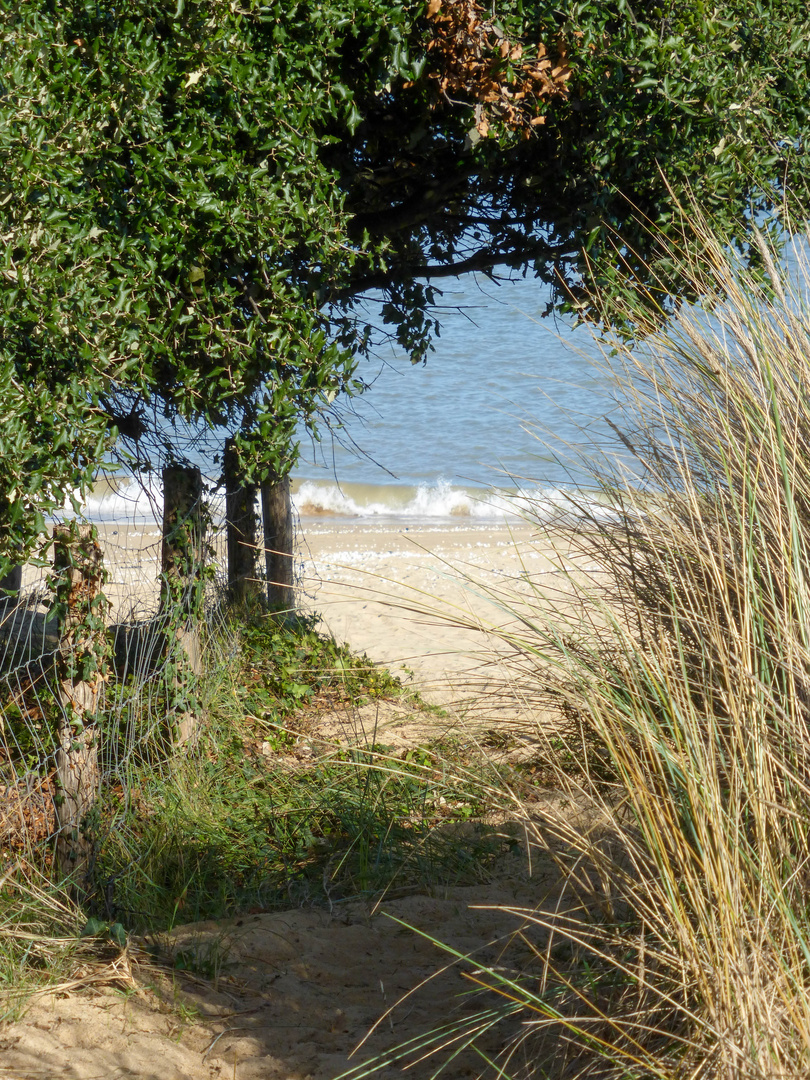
{"x":141,"y":502}
{"x":441,"y":501}
{"x":136,"y":501}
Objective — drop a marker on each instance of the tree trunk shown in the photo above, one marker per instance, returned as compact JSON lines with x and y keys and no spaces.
{"x":278,"y":544}
{"x":182,"y":556}
{"x":241,"y":529}
{"x":81,"y":673}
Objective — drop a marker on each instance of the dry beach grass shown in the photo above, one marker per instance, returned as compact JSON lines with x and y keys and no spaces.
{"x":685,"y":689}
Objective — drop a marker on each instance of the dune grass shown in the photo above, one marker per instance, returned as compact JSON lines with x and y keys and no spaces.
{"x":680,"y":676}
{"x":692,"y":679}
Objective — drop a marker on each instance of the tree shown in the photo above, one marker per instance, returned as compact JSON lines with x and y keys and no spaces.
{"x":549,"y":137}
{"x":199,"y":201}
{"x":54,"y":432}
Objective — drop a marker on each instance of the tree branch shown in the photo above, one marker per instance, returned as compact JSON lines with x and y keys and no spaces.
{"x":483,"y":260}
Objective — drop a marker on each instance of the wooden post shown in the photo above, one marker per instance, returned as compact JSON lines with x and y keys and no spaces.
{"x":182,"y":555}
{"x":278,"y":543}
{"x":241,"y":528}
{"x":183,"y":534}
{"x":81,"y":674}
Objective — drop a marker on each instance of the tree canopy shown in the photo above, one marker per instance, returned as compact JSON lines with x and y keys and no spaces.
{"x":217,"y":206}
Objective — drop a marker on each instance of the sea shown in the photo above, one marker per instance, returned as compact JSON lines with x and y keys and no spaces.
{"x":504,"y":411}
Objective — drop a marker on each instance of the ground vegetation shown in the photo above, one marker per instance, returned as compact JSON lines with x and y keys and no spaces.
{"x":260,"y":812}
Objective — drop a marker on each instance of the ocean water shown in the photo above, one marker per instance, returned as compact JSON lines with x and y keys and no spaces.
{"x":506,"y":404}
{"x":498,"y":419}
{"x":499,"y":414}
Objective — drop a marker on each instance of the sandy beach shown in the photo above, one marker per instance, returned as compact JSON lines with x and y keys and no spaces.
{"x":416,"y":598}
{"x":421,"y":600}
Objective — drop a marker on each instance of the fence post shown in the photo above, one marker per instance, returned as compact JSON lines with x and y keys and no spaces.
{"x":182,"y":556}
{"x":81,"y":665}
{"x":278,"y":542}
{"x":241,"y":527}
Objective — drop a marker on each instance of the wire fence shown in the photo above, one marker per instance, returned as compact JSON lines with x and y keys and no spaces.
{"x":99,"y":667}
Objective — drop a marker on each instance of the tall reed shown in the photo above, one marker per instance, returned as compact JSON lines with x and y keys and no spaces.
{"x":681,"y":683}
{"x":691,"y":681}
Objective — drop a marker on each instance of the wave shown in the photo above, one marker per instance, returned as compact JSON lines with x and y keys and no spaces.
{"x":439,"y":501}
{"x":124,"y":499}
{"x":141,"y":501}
{"x":314,"y":498}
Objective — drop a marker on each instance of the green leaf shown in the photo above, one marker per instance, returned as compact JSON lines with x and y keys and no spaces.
{"x":93,"y":927}
{"x":118,"y":934}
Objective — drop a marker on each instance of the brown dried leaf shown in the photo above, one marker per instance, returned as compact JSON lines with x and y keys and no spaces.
{"x":468,"y":50}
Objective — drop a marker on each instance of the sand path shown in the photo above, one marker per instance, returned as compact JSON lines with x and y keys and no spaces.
{"x":296,"y":992}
